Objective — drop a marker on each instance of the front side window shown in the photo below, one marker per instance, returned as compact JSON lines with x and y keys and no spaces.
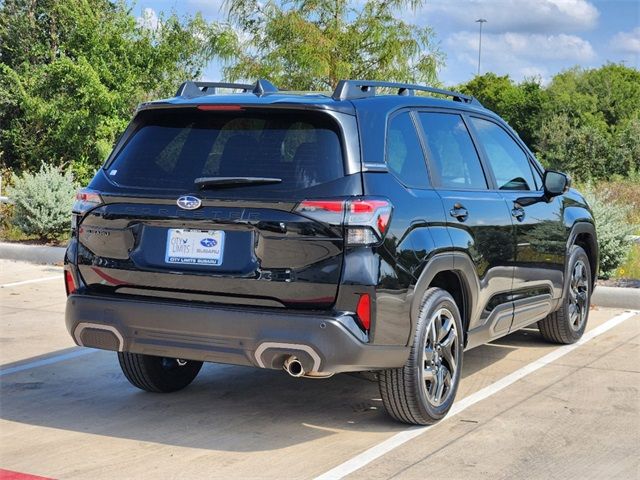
{"x":509,"y":163}
{"x":452,"y":155}
{"x":405,"y":158}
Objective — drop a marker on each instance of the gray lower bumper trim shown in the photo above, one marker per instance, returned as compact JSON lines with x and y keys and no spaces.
{"x":240,"y":336}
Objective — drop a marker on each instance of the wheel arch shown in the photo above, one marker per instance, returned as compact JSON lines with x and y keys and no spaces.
{"x":584,"y":235}
{"x":454,"y":273}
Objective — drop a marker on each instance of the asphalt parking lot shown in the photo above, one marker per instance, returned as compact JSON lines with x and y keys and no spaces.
{"x":525,"y":409}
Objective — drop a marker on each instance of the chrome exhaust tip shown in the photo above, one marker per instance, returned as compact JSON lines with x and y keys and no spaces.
{"x":293,"y":367}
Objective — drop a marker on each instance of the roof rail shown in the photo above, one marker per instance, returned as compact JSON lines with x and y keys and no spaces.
{"x":353,"y":89}
{"x":190,"y":89}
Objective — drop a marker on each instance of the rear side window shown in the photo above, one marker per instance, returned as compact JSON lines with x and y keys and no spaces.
{"x":405,"y":158}
{"x":509,"y":163}
{"x":171,"y":148}
{"x":452,"y":155}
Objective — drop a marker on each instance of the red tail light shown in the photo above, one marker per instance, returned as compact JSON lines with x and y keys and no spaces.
{"x":334,"y":206}
{"x":86,"y":199}
{"x":363,"y":310}
{"x":69,"y":283}
{"x":366,"y":219}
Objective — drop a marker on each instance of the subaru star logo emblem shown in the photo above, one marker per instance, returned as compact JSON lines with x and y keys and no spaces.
{"x":208,"y":242}
{"x":189,"y":202}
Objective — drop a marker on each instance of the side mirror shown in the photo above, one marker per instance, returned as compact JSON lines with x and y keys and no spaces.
{"x":555,"y":183}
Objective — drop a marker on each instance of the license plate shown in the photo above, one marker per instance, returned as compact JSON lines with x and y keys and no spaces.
{"x":194,"y":247}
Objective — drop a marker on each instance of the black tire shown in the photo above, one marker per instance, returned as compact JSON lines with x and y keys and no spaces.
{"x":406,"y":391}
{"x":563,"y":326}
{"x":158,"y":374}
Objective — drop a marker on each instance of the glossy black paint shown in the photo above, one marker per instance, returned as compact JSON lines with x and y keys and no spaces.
{"x":502,"y":254}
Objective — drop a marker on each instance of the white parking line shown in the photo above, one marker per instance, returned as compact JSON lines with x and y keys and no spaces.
{"x":34,"y":280}
{"x":404,"y":436}
{"x":46,"y":361}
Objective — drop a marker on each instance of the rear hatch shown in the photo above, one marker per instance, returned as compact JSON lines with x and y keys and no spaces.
{"x":199,"y":203}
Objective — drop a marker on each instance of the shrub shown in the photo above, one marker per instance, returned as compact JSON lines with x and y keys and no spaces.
{"x":613,"y":229}
{"x":42,"y":202}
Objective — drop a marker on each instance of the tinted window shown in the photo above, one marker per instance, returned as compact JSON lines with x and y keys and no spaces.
{"x":171,"y":148}
{"x":508,"y":162}
{"x":404,"y":152}
{"x":452,"y":155}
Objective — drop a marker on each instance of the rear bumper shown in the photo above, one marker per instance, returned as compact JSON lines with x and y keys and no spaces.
{"x":240,"y":336}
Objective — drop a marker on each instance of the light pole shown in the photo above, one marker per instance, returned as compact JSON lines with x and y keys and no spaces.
{"x":480,"y":21}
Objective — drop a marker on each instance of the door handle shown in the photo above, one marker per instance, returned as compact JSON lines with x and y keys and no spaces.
{"x":459,"y":212}
{"x":518,"y":213}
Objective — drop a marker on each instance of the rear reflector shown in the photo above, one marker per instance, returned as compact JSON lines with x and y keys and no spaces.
{"x":363,"y":310}
{"x":69,"y":283}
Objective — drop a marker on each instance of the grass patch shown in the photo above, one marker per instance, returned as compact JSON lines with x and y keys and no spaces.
{"x":11,"y":233}
{"x":631,"y":267}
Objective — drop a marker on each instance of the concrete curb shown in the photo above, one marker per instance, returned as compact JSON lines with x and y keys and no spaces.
{"x":32,"y":253}
{"x":616,"y":297}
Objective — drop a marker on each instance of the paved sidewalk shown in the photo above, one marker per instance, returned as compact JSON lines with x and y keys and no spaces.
{"x":32,"y":253}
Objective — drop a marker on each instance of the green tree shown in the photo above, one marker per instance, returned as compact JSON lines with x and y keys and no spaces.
{"x":72,"y":72}
{"x":627,"y":145}
{"x":312,"y":44}
{"x":519,"y":104}
{"x":585,"y":122}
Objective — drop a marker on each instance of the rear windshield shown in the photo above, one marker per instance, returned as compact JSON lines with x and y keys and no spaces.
{"x":171,"y":148}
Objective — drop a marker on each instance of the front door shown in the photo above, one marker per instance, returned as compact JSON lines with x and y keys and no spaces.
{"x":538,"y":226}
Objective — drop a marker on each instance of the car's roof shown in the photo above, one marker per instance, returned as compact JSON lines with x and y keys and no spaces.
{"x":319,"y":101}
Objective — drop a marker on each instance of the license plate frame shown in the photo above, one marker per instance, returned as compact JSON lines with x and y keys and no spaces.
{"x":188,"y":246}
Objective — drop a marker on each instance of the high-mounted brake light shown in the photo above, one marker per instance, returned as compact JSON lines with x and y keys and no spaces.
{"x":366,"y":219}
{"x":219,"y":107}
{"x":363,"y":310}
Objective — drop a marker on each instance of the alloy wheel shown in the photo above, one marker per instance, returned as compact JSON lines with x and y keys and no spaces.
{"x":440,"y":361}
{"x":578,"y":296}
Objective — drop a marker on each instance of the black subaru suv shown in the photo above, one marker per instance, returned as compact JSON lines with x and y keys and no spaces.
{"x":384,"y":228}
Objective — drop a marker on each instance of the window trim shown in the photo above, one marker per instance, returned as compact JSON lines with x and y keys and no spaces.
{"x":516,"y":140}
{"x":489,"y":181}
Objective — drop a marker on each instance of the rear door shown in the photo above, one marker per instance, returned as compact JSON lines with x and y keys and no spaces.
{"x":477,"y":218}
{"x":243,"y":243}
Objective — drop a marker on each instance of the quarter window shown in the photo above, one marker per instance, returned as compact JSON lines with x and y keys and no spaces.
{"x":452,"y":156}
{"x":405,"y":158}
{"x":509,"y":163}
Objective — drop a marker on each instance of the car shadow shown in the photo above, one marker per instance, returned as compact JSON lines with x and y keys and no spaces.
{"x":227,"y":408}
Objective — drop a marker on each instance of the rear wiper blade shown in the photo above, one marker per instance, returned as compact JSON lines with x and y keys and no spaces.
{"x":207,"y":182}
